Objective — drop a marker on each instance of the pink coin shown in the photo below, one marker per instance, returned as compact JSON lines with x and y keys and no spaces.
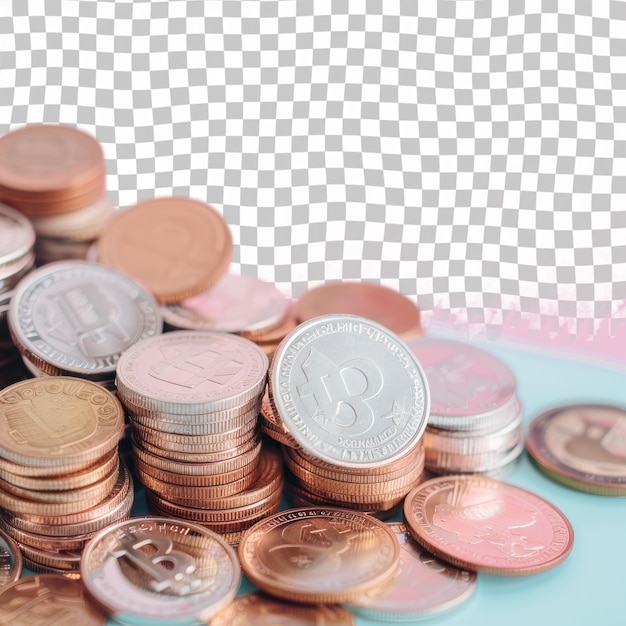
{"x":484,"y":525}
{"x":235,"y":304}
{"x":191,"y":371}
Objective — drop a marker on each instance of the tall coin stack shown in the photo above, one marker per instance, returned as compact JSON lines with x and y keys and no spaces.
{"x":61,"y":479}
{"x":349,"y":403}
{"x":56,"y":176}
{"x":475,"y":424}
{"x":17,"y":258}
{"x":193,"y":400}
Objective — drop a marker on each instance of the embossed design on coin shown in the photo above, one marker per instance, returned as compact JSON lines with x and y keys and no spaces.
{"x":484,"y":525}
{"x":76,"y":317}
{"x":349,"y":391}
{"x":423,"y":586}
{"x":582,"y":446}
{"x":160,"y":569}
{"x":319,"y":554}
{"x":47,"y":599}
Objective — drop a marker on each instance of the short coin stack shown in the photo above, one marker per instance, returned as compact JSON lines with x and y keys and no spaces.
{"x":349,"y":402}
{"x":475,"y":424}
{"x":60,"y":474}
{"x":56,"y":175}
{"x":193,"y":400}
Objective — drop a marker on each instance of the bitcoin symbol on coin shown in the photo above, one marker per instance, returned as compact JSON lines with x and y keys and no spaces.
{"x":168,"y":568}
{"x":345,"y":394}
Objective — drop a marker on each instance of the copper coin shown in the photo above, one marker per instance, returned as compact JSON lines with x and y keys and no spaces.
{"x":175,"y":247}
{"x":484,"y":525}
{"x":58,"y":559}
{"x":257,"y":609}
{"x":582,"y":446}
{"x":424,"y":586}
{"x":160,"y":570}
{"x":319,"y":555}
{"x":48,"y":599}
{"x":44,"y":542}
{"x":235,"y":304}
{"x":376,"y":302}
{"x":10,"y":560}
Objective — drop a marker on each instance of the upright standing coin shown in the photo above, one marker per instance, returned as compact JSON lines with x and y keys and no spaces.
{"x":10,"y":560}
{"x":582,"y":446}
{"x":257,"y":609}
{"x":484,"y":525}
{"x":160,"y":571}
{"x":175,"y":247}
{"x":349,"y":391}
{"x":319,"y":555}
{"x":47,"y":599}
{"x":76,"y":318}
{"x":424,"y":586}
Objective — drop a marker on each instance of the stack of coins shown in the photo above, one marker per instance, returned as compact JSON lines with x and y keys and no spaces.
{"x":56,"y":175}
{"x":243,"y":305}
{"x":193,"y":400}
{"x":375,"y":302}
{"x":348,"y":401}
{"x":75,"y":318}
{"x":61,"y":479}
{"x":475,"y":423}
{"x":17,"y":258}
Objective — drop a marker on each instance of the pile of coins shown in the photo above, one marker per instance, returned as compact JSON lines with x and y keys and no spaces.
{"x":349,"y":404}
{"x":475,"y":423}
{"x":56,"y":176}
{"x":61,"y":479}
{"x":193,"y":400}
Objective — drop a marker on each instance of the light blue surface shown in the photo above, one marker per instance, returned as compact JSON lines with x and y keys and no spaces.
{"x":589,"y":588}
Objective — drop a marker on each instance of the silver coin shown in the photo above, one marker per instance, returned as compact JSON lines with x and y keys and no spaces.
{"x":350,"y":391}
{"x":76,"y":318}
{"x":17,"y":237}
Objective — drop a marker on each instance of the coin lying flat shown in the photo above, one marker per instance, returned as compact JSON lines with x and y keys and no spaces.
{"x":160,"y":570}
{"x":47,"y":599}
{"x":484,"y":525}
{"x":10,"y":560}
{"x":319,"y":555}
{"x":257,"y":609}
{"x":582,"y":446}
{"x":349,"y":391}
{"x":424,"y":586}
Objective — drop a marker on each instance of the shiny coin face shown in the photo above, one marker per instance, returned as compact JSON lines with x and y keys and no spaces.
{"x":196,"y":369}
{"x":235,"y":304}
{"x":484,"y":525}
{"x":582,"y":446}
{"x":349,"y":391}
{"x":423,"y":586}
{"x":10,"y":560}
{"x":319,"y":555}
{"x":48,"y":599}
{"x":261,"y":610}
{"x":465,"y":381}
{"x":160,"y":571}
{"x":75,"y":317}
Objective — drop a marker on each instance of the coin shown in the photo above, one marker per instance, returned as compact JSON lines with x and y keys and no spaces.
{"x":201,"y":371}
{"x":61,"y":423}
{"x":349,"y":391}
{"x":48,"y":599}
{"x":76,"y":318}
{"x":160,"y":569}
{"x":234,"y":304}
{"x":424,"y":586}
{"x":10,"y":560}
{"x":378,"y":303}
{"x":318,"y":555}
{"x":17,"y":238}
{"x":582,"y":446}
{"x":175,"y":247}
{"x":261,"y":610}
{"x":484,"y":525}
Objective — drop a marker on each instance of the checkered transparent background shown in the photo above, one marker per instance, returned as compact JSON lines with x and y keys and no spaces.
{"x":470,"y":153}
